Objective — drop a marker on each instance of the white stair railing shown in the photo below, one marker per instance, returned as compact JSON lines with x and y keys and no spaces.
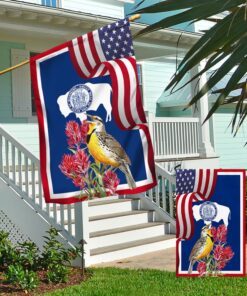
{"x":21,"y":170}
{"x":163,"y":195}
{"x":174,"y":137}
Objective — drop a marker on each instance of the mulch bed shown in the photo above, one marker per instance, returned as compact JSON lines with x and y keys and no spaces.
{"x":75,"y":277}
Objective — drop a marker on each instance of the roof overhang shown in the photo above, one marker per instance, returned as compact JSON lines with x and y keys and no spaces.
{"x":31,"y":19}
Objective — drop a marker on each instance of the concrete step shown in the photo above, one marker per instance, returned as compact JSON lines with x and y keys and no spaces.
{"x":112,"y":221}
{"x":127,"y":234}
{"x":129,"y":249}
{"x":111,"y":206}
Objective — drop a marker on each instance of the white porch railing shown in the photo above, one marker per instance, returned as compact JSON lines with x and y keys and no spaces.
{"x":163,"y":195}
{"x":21,"y":170}
{"x":174,"y":137}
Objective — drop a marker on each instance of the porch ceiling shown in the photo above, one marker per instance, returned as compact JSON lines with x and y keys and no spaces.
{"x":30,"y":20}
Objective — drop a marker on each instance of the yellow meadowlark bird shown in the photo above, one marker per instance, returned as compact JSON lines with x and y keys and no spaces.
{"x":106,"y":149}
{"x":202,"y":247}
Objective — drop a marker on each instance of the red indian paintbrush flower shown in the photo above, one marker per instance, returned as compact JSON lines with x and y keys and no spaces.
{"x":82,"y":162}
{"x":84,"y":130}
{"x":218,"y":253}
{"x":79,"y":182}
{"x":111,"y":181}
{"x":67,"y":165}
{"x":228,"y":253}
{"x":222,"y":233}
{"x":201,"y":268}
{"x":76,"y":134}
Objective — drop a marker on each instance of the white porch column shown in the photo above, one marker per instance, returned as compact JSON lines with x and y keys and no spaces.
{"x":205,"y":146}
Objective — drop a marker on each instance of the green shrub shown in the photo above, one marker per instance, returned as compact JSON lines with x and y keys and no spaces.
{"x":28,"y":255}
{"x":57,"y":273}
{"x":24,"y":278}
{"x":55,"y":257}
{"x":20,"y":263}
{"x":8,"y":254}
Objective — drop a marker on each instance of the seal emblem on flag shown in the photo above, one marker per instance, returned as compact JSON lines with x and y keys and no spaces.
{"x":208,"y":211}
{"x":80,"y":98}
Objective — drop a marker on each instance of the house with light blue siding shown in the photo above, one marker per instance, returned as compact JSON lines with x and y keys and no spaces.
{"x":115,"y":227}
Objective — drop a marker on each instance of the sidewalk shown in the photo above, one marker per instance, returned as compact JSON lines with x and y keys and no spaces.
{"x":162,"y":260}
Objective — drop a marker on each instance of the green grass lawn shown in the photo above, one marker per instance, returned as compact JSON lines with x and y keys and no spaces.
{"x":126,"y":282}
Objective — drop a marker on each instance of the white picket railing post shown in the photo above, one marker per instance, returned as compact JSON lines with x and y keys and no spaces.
{"x":163,"y":193}
{"x":82,"y":227}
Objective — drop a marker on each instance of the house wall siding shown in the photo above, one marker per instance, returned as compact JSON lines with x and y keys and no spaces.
{"x":232,"y":152}
{"x":6,"y":107}
{"x":106,"y":8}
{"x":156,"y":76}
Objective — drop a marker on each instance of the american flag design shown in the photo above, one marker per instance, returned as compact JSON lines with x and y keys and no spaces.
{"x":191,"y":186}
{"x":109,"y":50}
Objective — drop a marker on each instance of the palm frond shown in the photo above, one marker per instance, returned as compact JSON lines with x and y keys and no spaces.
{"x":223,"y":45}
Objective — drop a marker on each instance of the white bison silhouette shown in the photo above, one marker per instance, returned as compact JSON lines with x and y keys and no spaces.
{"x":223,"y":213}
{"x":101,"y":93}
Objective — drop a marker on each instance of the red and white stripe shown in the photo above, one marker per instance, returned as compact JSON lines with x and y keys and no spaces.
{"x":89,"y":60}
{"x":203,"y":189}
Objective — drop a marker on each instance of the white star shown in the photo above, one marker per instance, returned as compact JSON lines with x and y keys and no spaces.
{"x":128,"y":35}
{"x":117,"y":44}
{"x":109,"y":45}
{"x":117,"y":24}
{"x":131,"y":46}
{"x":114,"y":31}
{"x":106,"y":34}
{"x":111,"y":39}
{"x":115,"y":50}
{"x":125,"y":22}
{"x":109,"y":26}
{"x":122,"y":55}
{"x":113,"y":57}
{"x":130,"y":53}
{"x":123,"y":49}
{"x":107,"y":53}
{"x":122,"y":29}
{"x":103,"y":40}
{"x":119,"y":37}
{"x":125,"y":42}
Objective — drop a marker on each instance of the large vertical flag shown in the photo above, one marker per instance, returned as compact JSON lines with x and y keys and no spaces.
{"x":94,"y":139}
{"x":210,"y":222}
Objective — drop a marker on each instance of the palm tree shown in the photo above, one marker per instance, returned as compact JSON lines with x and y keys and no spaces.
{"x":223,"y":46}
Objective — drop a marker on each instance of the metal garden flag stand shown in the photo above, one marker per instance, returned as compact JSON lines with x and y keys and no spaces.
{"x":94,"y":140}
{"x":210,"y":222}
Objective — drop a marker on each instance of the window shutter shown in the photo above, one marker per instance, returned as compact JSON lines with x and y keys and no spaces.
{"x":21,"y":84}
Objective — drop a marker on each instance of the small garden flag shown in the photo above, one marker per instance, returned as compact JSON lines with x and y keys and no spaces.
{"x":210,"y":222}
{"x":94,"y":139}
